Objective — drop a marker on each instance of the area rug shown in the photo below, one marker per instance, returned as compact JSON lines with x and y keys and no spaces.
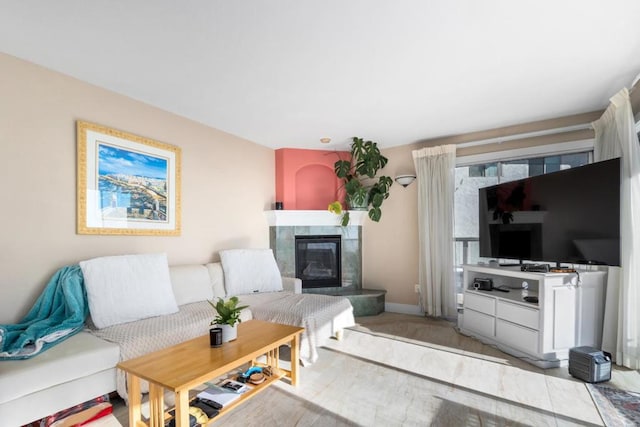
{"x":616,"y":407}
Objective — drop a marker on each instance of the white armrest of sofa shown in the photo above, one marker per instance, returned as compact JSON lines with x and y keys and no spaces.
{"x":78,"y":369}
{"x":292,"y":284}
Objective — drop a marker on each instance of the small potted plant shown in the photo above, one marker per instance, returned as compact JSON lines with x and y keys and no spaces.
{"x":364,"y":190}
{"x":228,"y":317}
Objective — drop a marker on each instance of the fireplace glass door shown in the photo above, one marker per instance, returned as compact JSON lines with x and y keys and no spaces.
{"x":318,"y":262}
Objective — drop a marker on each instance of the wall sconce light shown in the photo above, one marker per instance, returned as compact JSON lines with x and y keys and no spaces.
{"x":405,"y":180}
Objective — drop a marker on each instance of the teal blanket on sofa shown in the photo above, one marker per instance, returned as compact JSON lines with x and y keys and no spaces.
{"x":58,"y":313}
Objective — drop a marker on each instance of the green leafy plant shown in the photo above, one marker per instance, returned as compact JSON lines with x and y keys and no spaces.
{"x":228,"y":312}
{"x":363,"y":189}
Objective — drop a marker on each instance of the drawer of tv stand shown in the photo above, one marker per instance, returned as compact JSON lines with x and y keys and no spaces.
{"x":517,"y":336}
{"x":480,"y":303}
{"x":517,"y":313}
{"x":478,"y":322}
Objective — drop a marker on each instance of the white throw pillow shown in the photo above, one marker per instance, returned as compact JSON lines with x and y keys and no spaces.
{"x":125,"y":288}
{"x":250,"y":270}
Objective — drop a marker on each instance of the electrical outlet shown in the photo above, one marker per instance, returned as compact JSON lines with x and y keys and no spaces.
{"x":417,"y":289}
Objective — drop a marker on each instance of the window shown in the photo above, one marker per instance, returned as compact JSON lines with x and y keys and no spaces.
{"x":489,"y":169}
{"x":470,"y":178}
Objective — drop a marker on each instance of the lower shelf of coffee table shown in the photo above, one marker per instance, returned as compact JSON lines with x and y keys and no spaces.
{"x":276,"y":375}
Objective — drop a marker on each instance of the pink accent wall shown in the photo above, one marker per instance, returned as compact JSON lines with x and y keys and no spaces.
{"x":305,"y":179}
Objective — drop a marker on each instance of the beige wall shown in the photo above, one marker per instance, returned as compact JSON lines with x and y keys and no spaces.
{"x":390,"y":247}
{"x":227,"y":182}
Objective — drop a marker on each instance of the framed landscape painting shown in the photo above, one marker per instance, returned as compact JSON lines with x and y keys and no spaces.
{"x":127,"y":184}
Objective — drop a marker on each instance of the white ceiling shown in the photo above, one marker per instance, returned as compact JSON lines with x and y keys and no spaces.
{"x":285,"y":73}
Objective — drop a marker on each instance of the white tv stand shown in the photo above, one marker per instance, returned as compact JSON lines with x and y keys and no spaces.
{"x":568,"y":314}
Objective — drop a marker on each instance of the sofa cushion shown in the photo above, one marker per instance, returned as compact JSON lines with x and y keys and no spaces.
{"x":125,"y":288}
{"x":250,"y":270}
{"x":216,"y":276}
{"x":79,"y":356}
{"x":191,"y":283}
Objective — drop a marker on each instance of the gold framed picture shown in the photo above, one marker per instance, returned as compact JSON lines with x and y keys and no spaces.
{"x":127,"y":184}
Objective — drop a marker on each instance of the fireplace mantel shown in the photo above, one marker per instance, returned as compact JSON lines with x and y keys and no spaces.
{"x":286,"y":218}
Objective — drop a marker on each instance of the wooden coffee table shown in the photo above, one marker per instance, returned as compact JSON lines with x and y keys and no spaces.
{"x":187,"y":365}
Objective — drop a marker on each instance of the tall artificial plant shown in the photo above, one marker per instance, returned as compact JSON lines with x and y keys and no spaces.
{"x":363,"y":189}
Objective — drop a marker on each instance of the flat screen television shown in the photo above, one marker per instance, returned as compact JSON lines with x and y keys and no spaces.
{"x":570,"y":216}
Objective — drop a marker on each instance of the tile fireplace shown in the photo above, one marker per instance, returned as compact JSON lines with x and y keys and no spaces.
{"x":288,"y":227}
{"x":330,"y":244}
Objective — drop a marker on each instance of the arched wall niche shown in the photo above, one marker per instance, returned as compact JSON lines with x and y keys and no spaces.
{"x":315,"y":187}
{"x":305,"y":179}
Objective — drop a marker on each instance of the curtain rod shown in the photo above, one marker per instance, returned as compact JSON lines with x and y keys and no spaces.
{"x":545,"y":132}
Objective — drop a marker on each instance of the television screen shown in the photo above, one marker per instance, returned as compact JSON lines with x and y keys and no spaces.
{"x":570,"y":216}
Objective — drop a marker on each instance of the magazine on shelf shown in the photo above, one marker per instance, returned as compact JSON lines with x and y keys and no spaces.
{"x":221,"y":394}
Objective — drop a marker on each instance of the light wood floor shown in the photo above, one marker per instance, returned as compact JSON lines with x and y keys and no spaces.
{"x":401,"y":370}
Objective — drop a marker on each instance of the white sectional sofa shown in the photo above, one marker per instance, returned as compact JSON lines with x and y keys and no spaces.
{"x":83,"y":366}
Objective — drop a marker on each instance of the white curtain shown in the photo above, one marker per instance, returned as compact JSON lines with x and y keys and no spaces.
{"x":616,"y":137}
{"x":435,"y":168}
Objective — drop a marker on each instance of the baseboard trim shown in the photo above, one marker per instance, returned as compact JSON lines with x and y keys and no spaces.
{"x":393,"y":307}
